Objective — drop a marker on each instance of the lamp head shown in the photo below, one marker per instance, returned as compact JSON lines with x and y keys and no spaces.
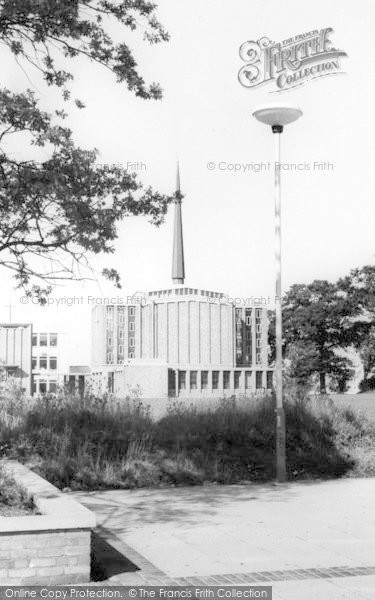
{"x":277,"y":115}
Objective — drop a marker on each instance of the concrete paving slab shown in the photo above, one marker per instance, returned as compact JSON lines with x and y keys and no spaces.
{"x":318,"y":590}
{"x":216,"y":531}
{"x":363,"y":585}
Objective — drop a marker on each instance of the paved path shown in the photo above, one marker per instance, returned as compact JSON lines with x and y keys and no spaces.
{"x":308,"y":540}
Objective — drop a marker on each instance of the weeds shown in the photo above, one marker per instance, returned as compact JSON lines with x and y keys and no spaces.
{"x":92,"y":443}
{"x":13,"y":499}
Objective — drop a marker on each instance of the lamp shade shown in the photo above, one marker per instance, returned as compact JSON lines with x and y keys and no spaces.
{"x":277,"y":114}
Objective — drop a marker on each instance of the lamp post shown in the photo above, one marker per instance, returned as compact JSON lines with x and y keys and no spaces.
{"x":277,"y":116}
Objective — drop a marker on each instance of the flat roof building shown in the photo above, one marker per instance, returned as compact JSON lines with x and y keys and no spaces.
{"x":46,"y":368}
{"x":15,"y":353}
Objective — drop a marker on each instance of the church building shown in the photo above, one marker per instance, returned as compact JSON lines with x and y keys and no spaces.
{"x":182,"y":342}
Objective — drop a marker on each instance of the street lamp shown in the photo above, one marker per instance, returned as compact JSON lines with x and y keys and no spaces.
{"x":278,"y":115}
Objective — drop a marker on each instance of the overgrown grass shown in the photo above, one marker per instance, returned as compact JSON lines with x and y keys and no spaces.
{"x":13,"y":499}
{"x":94,"y":443}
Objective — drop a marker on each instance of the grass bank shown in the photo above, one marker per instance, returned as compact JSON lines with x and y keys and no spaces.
{"x":94,"y":443}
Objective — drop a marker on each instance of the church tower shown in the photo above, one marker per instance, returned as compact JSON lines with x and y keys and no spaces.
{"x":178,"y":263}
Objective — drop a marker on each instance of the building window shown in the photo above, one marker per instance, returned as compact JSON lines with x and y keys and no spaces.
{"x":269,"y":380}
{"x":132,"y":342}
{"x":42,"y":386}
{"x":53,"y":363}
{"x":182,"y":380}
{"x":215,"y":380}
{"x":237,"y":377}
{"x":247,"y":359}
{"x":258,"y":313}
{"x":53,"y":339}
{"x":121,"y":334}
{"x":131,"y":326}
{"x":34,"y":386}
{"x":121,"y":349}
{"x":131,"y":354}
{"x":259,"y":380}
{"x":259,"y":358}
{"x":43,"y":362}
{"x":110,"y":341}
{"x":43,"y":339}
{"x":52,"y":386}
{"x":34,"y":362}
{"x":259,"y":343}
{"x":110,"y":382}
{"x":226,"y":380}
{"x":35,"y":339}
{"x":131,"y":311}
{"x":248,"y":380}
{"x":193,"y":380}
{"x":204,"y":380}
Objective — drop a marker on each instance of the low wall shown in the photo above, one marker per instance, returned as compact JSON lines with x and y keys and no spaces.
{"x":51,"y":548}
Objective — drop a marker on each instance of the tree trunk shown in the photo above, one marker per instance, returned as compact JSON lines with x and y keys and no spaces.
{"x":322,"y":377}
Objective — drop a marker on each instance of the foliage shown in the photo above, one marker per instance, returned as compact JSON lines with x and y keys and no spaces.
{"x":359,"y":289}
{"x":367,"y":354}
{"x":92,"y":443}
{"x":13,"y":499}
{"x":317,"y":322}
{"x":59,"y":210}
{"x":64,"y":207}
{"x":39,"y":32}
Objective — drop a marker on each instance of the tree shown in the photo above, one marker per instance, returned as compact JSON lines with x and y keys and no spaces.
{"x":359,"y":289}
{"x":367,"y":356}
{"x":36,"y":31}
{"x":303,"y":361}
{"x":316,"y":321}
{"x":56,"y":211}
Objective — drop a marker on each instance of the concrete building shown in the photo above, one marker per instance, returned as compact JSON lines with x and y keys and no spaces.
{"x":181,"y":342}
{"x":46,"y":371}
{"x":32,"y":359}
{"x":78,"y":379}
{"x":15,"y":353}
{"x":35,"y":361}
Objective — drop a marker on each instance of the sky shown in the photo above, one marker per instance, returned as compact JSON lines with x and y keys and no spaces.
{"x":206,"y":117}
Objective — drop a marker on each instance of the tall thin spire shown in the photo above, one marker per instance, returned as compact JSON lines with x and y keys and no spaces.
{"x":178,"y":263}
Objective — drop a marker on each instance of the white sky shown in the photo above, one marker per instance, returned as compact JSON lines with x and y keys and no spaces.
{"x":328,"y":217}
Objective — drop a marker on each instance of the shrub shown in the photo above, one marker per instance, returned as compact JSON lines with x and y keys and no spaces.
{"x":90,"y":443}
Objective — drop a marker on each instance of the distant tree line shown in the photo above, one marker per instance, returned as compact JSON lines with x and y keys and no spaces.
{"x":323,"y":323}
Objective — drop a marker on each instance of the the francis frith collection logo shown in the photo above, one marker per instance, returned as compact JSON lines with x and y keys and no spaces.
{"x":291,"y":62}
